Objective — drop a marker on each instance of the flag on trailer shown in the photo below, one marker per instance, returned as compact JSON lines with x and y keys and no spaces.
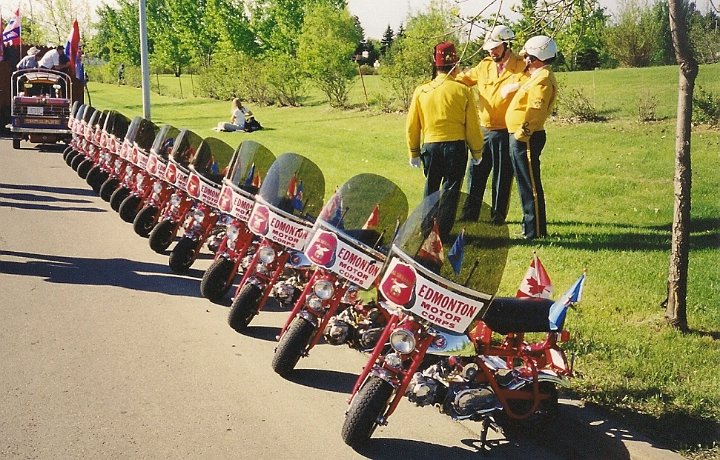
{"x":556,"y":315}
{"x":11,"y":32}
{"x":432,"y":250}
{"x":80,"y":67}
{"x":2,"y":47}
{"x":373,"y":219}
{"x":456,"y":252}
{"x":72,"y":45}
{"x":537,"y":282}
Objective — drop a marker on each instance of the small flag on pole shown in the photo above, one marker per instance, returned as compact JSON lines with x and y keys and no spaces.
{"x":556,"y":315}
{"x":373,"y":219}
{"x":537,"y":282}
{"x":297,"y":200}
{"x":432,"y":250}
{"x":11,"y":32}
{"x":456,"y":252}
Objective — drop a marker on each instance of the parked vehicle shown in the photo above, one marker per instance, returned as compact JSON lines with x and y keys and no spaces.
{"x":76,"y":111}
{"x":111,"y":139}
{"x":203,"y":188}
{"x":136,"y":155}
{"x":443,"y":308}
{"x":84,"y":161}
{"x":348,"y":246}
{"x":285,"y":209}
{"x":79,"y":140}
{"x":145,"y":179}
{"x":40,"y":107}
{"x":172,"y":202}
{"x":249,"y":166}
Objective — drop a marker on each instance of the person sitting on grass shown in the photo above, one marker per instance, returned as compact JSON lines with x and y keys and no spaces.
{"x":238,"y":114}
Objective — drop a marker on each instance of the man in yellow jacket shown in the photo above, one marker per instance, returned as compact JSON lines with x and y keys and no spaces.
{"x":497,"y":77}
{"x":525,"y":118}
{"x":442,"y":123}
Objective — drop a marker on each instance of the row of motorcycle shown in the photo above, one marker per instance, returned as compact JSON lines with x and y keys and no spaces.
{"x":414,"y":289}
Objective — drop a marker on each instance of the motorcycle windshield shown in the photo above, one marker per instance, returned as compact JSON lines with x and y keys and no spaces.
{"x":74,"y":109}
{"x":206,"y":159}
{"x":185,"y":147}
{"x":145,"y":134}
{"x":294,"y":185}
{"x":88,"y":113}
{"x":164,"y":141}
{"x":116,"y":124}
{"x":249,"y":166}
{"x":133,"y":130}
{"x":368,"y":209}
{"x":95,"y":120}
{"x":442,"y":269}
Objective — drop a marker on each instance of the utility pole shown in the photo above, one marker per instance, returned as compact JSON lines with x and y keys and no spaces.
{"x":144,"y":65}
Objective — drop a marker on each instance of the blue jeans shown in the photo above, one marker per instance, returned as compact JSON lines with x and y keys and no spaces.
{"x":444,"y":165}
{"x":526,"y":165}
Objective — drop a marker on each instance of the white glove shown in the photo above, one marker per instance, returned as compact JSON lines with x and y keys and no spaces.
{"x":475,"y":161}
{"x":506,"y":90}
{"x":415,"y":162}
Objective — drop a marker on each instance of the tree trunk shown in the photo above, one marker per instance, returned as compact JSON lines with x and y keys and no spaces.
{"x":676,"y":310}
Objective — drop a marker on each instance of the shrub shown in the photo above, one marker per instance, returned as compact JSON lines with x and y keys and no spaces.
{"x":647,"y":107}
{"x":575,"y":106}
{"x":706,"y":107}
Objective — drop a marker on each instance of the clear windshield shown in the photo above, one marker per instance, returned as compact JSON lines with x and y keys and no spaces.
{"x":133,"y":130}
{"x":116,"y":124}
{"x":427,"y":238}
{"x":249,"y":166}
{"x":367,"y":208}
{"x":164,"y":141}
{"x":145,"y":135}
{"x":185,"y":147}
{"x":295,"y":185}
{"x":205,"y":161}
{"x":87,"y":113}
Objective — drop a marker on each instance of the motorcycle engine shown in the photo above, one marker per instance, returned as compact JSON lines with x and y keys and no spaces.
{"x":422,"y":390}
{"x":369,"y":337}
{"x":464,"y":402}
{"x":337,"y":331}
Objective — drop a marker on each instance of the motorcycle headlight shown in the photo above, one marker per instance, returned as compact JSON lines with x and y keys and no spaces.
{"x":393,"y":360}
{"x":232,"y":233}
{"x":267,"y":254}
{"x":175,"y":199}
{"x":139,"y":178}
{"x":157,"y":187}
{"x":402,"y":341}
{"x":315,"y":304}
{"x":199,"y":215}
{"x":118,"y":168}
{"x":324,"y":289}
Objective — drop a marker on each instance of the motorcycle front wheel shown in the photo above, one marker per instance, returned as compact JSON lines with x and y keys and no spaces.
{"x":71,"y":156}
{"x":129,"y":208}
{"x":67,"y":151}
{"x":108,"y":188}
{"x":84,"y":168}
{"x":144,"y":221}
{"x":183,"y":255}
{"x":76,"y":161}
{"x":96,"y":178}
{"x":161,"y":236}
{"x":292,"y":346}
{"x":217,"y":281}
{"x":118,"y":197}
{"x":367,"y":407}
{"x":244,"y":307}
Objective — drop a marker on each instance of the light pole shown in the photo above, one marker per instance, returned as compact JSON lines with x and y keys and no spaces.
{"x":144,"y":65}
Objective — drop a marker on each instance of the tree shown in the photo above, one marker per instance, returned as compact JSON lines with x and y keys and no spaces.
{"x":676,"y":309}
{"x":632,"y":39}
{"x":118,"y":33}
{"x":325,"y":49}
{"x":387,"y":40}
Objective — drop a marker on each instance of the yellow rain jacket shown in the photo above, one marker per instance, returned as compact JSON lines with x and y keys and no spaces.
{"x":443,"y":110}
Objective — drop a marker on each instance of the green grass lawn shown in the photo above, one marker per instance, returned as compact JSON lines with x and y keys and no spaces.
{"x":609,"y":192}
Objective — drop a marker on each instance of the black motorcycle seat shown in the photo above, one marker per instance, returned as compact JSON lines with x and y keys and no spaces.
{"x":512,"y":314}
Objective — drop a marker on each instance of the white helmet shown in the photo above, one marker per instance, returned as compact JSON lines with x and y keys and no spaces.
{"x":497,"y":36}
{"x":541,"y":47}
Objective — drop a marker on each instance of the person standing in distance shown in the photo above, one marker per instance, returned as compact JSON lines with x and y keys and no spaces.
{"x":496,"y":77}
{"x":525,"y":118}
{"x":443,"y":116}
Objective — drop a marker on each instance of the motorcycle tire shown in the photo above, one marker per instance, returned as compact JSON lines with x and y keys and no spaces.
{"x":118,"y":197}
{"x":98,"y":181}
{"x":108,"y":187}
{"x":66,"y":152}
{"x":145,"y":221}
{"x":84,"y":168}
{"x":93,"y":175}
{"x":292,"y":346}
{"x":76,"y":161}
{"x":548,"y":409}
{"x":244,"y":307}
{"x":161,"y":236}
{"x":183,"y":255}
{"x":129,"y":208}
{"x":217,"y":281}
{"x":71,"y":156}
{"x":369,"y":404}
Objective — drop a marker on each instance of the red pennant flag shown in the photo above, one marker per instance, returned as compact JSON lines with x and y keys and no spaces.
{"x":292,"y":187}
{"x":257,"y":180}
{"x":537,"y":282}
{"x":372,"y":220}
{"x":432,"y":249}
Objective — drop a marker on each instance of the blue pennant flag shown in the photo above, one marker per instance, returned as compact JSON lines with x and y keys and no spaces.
{"x":556,"y":315}
{"x":456,"y":253}
{"x":250,"y":176}
{"x":297,"y":200}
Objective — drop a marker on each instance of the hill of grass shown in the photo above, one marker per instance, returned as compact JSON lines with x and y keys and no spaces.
{"x":609,"y":192}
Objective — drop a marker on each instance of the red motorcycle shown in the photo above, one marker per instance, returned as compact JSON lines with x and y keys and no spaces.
{"x":348,"y":246}
{"x":144,"y":183}
{"x":82,"y":117}
{"x":247,"y":169}
{"x":119,"y":162}
{"x":203,"y":188}
{"x":113,"y":133}
{"x":136,"y":159}
{"x":440,"y":354}
{"x":88,"y":160}
{"x":76,"y":113}
{"x":285,"y":208}
{"x":163,"y":186}
{"x":174,"y":209}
